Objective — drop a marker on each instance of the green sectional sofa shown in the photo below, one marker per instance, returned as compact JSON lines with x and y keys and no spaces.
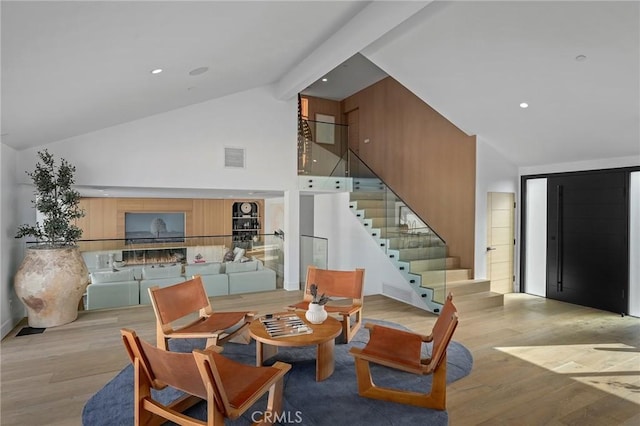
{"x":129,"y":285}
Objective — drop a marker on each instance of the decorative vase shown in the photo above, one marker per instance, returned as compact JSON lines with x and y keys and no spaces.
{"x":316,"y":314}
{"x":50,"y":282}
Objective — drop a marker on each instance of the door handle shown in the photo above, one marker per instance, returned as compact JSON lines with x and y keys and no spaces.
{"x":559,"y":241}
{"x":491,"y":248}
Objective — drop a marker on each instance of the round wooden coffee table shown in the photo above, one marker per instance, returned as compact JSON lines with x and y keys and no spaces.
{"x":323,"y":337}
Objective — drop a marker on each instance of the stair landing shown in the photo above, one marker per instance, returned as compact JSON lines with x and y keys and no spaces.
{"x":474,"y":295}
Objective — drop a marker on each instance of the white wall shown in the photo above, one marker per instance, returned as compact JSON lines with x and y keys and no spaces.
{"x":184,"y":148}
{"x":292,"y":240}
{"x":494,"y":173}
{"x":11,"y":250}
{"x":306,"y":214}
{"x":350,"y":246}
{"x":605,"y":163}
{"x":273,"y":219}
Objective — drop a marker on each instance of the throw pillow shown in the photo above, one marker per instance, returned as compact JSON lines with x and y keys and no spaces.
{"x":239,"y":253}
{"x":229,"y":256}
{"x":235,"y":267}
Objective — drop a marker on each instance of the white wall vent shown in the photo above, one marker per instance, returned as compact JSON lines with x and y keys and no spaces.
{"x":234,"y":157}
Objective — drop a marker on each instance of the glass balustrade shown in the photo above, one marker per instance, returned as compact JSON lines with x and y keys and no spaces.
{"x":409,"y":243}
{"x":326,"y":163}
{"x":322,"y":156}
{"x":105,"y":254}
{"x":313,"y":251}
{"x":108,"y":253}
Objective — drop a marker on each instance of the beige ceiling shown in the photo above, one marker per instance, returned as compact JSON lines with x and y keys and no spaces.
{"x":70,"y":68}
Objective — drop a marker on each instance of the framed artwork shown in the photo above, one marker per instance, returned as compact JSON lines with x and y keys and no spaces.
{"x":325,"y":129}
{"x":161,"y":227}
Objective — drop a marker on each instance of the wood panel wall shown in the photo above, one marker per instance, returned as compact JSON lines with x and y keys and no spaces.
{"x":104,"y":217}
{"x":423,"y":157}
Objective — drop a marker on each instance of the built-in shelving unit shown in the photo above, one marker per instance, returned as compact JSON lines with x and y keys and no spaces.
{"x":246,"y":223}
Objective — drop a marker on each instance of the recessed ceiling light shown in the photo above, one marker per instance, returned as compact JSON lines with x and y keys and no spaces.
{"x":325,"y":79}
{"x":581,"y":58}
{"x":524,"y":105}
{"x":199,"y":71}
{"x":156,"y":71}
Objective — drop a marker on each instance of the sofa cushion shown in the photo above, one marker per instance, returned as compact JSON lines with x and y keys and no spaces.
{"x":112,"y":276}
{"x":202,"y":269}
{"x":157,"y":271}
{"x":112,"y":294}
{"x":145,"y":299}
{"x":249,"y":282}
{"x":215,"y":285}
{"x":253,"y":265}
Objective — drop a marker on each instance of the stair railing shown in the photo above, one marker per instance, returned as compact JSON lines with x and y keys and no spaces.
{"x":322,"y":155}
{"x":418,"y":252}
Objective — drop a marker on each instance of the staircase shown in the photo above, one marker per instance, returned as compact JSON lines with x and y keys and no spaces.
{"x":418,"y":253}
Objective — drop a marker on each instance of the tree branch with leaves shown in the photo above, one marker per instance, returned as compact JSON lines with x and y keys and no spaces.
{"x":57,"y":201}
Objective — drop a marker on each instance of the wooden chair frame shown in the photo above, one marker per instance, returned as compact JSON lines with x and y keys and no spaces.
{"x":338,"y":284}
{"x":176,"y":302}
{"x":228,"y":387}
{"x":402,"y":350}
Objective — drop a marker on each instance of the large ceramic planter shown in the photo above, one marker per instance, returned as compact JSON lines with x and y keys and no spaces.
{"x":50,"y":282}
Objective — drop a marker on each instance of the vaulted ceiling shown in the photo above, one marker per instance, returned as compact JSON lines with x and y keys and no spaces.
{"x":70,"y":68}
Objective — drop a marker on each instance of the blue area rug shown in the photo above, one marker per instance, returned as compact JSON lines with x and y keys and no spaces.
{"x":334,"y":401}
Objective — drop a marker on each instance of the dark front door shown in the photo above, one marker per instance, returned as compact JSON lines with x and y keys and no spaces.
{"x":587,"y":248}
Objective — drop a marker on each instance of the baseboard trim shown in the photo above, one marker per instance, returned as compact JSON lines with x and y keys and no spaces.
{"x":9,"y":325}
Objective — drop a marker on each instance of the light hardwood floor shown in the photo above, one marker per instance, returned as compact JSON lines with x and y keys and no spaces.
{"x":536,"y":361}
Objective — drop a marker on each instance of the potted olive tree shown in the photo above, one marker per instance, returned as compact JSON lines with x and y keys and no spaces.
{"x":53,"y":276}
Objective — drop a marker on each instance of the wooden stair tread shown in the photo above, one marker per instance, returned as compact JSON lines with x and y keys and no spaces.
{"x":417,"y":266}
{"x":469,"y":282}
{"x":478,"y":301}
{"x":448,"y":270}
